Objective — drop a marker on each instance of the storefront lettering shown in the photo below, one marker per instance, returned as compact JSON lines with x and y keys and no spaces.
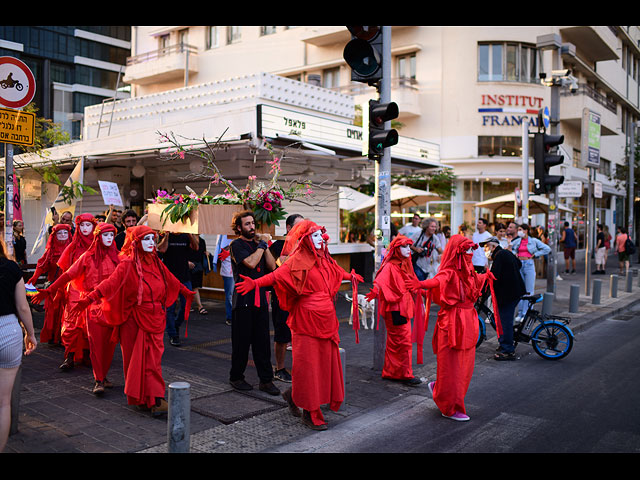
{"x":355,"y":134}
{"x":508,"y":120}
{"x":525,"y":101}
{"x":292,"y":123}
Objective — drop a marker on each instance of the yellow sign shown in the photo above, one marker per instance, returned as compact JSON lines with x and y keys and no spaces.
{"x":17,"y":127}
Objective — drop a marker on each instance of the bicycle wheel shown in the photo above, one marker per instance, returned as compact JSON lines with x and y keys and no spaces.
{"x":482,"y":331}
{"x":552,"y":340}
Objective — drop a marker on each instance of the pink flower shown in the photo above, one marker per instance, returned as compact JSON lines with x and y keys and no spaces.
{"x":181,"y":154}
{"x":267,"y":206}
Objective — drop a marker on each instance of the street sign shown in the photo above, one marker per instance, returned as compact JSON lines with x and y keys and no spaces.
{"x":17,"y":83}
{"x":570,"y":189}
{"x":17,"y":127}
{"x":590,"y":138}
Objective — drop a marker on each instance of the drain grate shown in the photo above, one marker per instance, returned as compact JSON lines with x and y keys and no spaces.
{"x":624,"y":316}
{"x":231,"y":406}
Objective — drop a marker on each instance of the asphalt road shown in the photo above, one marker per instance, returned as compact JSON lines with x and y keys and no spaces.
{"x":585,"y":403}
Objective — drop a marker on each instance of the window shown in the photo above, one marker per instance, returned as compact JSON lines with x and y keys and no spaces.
{"x":331,"y":78}
{"x":406,"y":65}
{"x":233,"y":35}
{"x":267,"y":30}
{"x":499,"y":146}
{"x":511,"y":62}
{"x":212,"y":37}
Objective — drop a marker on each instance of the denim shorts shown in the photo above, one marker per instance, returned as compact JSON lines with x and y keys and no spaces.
{"x":11,"y":339}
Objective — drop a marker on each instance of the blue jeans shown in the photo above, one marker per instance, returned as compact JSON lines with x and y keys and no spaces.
{"x":175,"y":319}
{"x":528,"y":272}
{"x":506,"y":312}
{"x":228,"y":294}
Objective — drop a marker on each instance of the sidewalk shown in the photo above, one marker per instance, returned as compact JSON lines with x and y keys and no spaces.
{"x":58,"y":412}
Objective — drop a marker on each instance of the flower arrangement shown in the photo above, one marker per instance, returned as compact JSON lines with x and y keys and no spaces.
{"x":264,"y":198}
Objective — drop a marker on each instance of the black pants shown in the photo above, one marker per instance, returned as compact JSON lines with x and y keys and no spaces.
{"x":250,"y":330}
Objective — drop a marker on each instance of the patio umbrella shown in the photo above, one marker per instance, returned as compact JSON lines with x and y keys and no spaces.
{"x":401,"y":196}
{"x":349,"y":198}
{"x":505,"y":204}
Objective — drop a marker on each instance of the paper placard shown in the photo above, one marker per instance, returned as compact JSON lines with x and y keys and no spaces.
{"x":110,"y":193}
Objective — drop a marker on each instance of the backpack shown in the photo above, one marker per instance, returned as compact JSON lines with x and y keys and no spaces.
{"x":629,"y":247}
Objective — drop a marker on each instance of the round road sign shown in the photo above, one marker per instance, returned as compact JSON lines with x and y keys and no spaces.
{"x":17,"y":83}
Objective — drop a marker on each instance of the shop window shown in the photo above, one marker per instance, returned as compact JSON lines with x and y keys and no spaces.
{"x":331,"y":77}
{"x":511,"y":62}
{"x":491,"y":146}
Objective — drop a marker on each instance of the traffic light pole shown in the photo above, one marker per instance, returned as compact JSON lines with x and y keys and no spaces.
{"x":552,"y":216}
{"x":383,"y":192}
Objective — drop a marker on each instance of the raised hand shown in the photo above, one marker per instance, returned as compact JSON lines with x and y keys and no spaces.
{"x":246,"y":285}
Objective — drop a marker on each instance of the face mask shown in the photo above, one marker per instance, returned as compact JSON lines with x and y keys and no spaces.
{"x":86,"y":228}
{"x":316,"y":238}
{"x":62,"y":235}
{"x":148,"y":242}
{"x":520,"y":233}
{"x":107,"y":239}
{"x":405,"y":251}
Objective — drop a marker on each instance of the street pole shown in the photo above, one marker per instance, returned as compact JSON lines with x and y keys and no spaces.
{"x":587,"y":243}
{"x":631,"y":194}
{"x":552,"y":220}
{"x":8,"y":198}
{"x":383,"y":191}
{"x":525,"y":171}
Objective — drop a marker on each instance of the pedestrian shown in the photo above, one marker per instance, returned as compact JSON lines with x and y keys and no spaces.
{"x":600,"y":252}
{"x":607,"y":243}
{"x":527,"y":248}
{"x":508,"y":287}
{"x":623,"y":254}
{"x":479,"y":260}
{"x":412,"y":230}
{"x":569,"y":241}
{"x":511,"y":233}
{"x":226,"y":272}
{"x":174,"y":249}
{"x":281,"y":331}
{"x":57,"y":242}
{"x":455,"y":288}
{"x":306,"y":285}
{"x":136,"y":296}
{"x":19,"y":243}
{"x":96,"y":264}
{"x":250,"y":257}
{"x":74,"y":328}
{"x":15,"y":315}
{"x":501,"y":235}
{"x":397,"y":306}
{"x":426,"y":250}
{"x":196,"y":259}
{"x":129,"y":219}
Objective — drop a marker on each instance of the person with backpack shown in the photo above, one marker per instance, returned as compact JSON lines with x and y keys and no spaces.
{"x":569,"y":240}
{"x":625,"y":248}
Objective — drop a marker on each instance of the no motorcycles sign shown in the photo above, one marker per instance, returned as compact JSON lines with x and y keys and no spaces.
{"x":17,"y":83}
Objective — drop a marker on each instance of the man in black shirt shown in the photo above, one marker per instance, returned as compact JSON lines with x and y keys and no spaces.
{"x":509,"y":287}
{"x":250,"y":256}
{"x":129,"y":219}
{"x":173,"y":249}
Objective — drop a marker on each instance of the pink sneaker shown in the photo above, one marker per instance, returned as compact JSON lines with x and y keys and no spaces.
{"x":431,"y":385}
{"x":458,"y":417}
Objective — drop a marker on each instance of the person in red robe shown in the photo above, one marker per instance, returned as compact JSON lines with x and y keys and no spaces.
{"x":93,"y":266}
{"x":306,"y":285}
{"x":135,"y":298}
{"x":455,"y":288}
{"x":59,"y":239}
{"x":74,"y":328}
{"x":397,"y":305}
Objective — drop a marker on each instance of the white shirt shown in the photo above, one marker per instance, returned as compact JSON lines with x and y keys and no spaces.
{"x":410,"y":231}
{"x":479,"y":259}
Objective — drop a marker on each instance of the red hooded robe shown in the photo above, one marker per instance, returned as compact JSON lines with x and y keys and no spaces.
{"x":53,"y":305}
{"x":455,"y":288}
{"x":306,"y":285}
{"x":135,"y":298}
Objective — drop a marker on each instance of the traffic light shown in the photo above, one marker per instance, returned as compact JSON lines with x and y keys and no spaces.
{"x":364,"y":54}
{"x":543,"y":143}
{"x":375,"y":137}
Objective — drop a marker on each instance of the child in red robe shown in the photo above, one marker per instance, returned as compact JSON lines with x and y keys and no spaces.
{"x":306,"y":285}
{"x":455,"y":288}
{"x":59,"y":239}
{"x":135,"y":298}
{"x":93,"y":266}
{"x":397,"y":305}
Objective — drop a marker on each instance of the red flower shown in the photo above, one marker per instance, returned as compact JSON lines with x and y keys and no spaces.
{"x":267,"y":206}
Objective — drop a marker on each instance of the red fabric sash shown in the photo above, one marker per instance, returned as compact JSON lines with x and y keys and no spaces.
{"x":354,"y":305}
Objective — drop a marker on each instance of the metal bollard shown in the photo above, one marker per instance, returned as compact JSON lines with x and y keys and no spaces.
{"x":547,"y":303}
{"x":629,"y":281}
{"x":613,"y":286}
{"x":179,"y":418}
{"x":343,"y":361}
{"x":574,"y":296}
{"x":597,"y":290}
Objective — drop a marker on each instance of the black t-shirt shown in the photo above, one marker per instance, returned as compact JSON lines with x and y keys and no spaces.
{"x":119,"y":239}
{"x":177,"y":254}
{"x":241,"y":249}
{"x":10,"y":275}
{"x":600,"y":240}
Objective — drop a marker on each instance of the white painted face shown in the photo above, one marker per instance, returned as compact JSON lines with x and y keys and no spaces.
{"x":62,"y":235}
{"x":107,"y":238}
{"x":405,"y":251}
{"x":148,"y":242}
{"x":316,"y":238}
{"x":86,"y":228}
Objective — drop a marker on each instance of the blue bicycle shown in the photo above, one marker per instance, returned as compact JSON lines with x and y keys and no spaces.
{"x":549,"y":335}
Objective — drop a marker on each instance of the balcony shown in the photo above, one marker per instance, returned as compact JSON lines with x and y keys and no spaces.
{"x":572,"y":105}
{"x":404,"y":92}
{"x":166,"y":64}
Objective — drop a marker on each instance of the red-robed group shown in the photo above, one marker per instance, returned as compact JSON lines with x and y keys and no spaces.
{"x":99,"y":298}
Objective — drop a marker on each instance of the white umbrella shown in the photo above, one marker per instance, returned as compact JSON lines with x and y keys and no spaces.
{"x":401,"y":196}
{"x":349,"y":198}
{"x":505,"y":204}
